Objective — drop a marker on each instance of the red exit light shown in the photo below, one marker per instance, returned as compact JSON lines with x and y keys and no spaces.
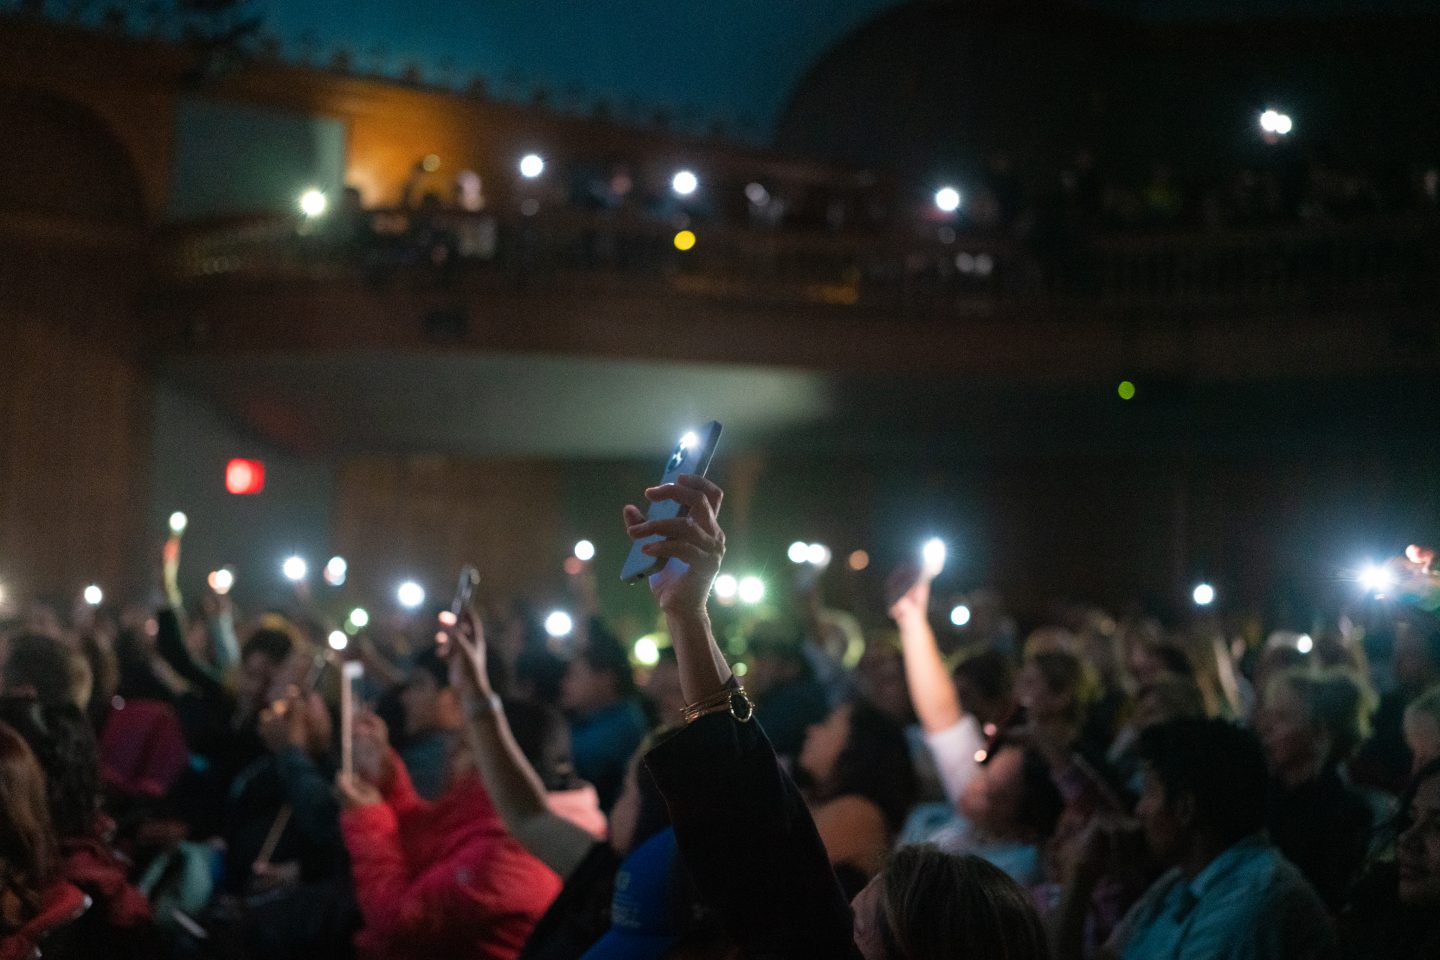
{"x":244,"y":476}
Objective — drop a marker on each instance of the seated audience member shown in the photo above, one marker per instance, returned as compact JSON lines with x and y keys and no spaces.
{"x":1422,"y":728}
{"x":880,"y":682}
{"x":985,"y":682}
{"x":1384,"y":761}
{"x":432,"y":720}
{"x":441,"y":879}
{"x":607,"y":721}
{"x":1057,"y":690}
{"x":856,"y":766}
{"x":60,"y":739}
{"x":1168,"y":698}
{"x":40,"y":912}
{"x":662,"y":688}
{"x":1310,"y":725}
{"x":285,"y":859}
{"x":40,"y":667}
{"x":597,"y":872}
{"x":142,"y":746}
{"x":1001,"y":801}
{"x":1394,"y":912}
{"x":745,"y":834}
{"x":1228,"y":892}
{"x":790,"y":699}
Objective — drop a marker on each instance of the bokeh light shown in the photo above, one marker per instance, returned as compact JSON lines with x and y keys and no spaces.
{"x":532,"y":165}
{"x":294,"y":569}
{"x":684,"y":183}
{"x":410,"y":594}
{"x":685,"y":240}
{"x":1126,"y":390}
{"x":750,"y":590}
{"x":559,"y":623}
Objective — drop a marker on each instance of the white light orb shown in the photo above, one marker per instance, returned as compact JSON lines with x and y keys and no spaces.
{"x":531,"y":166}
{"x":799,"y":552}
{"x":1203,"y":595}
{"x":294,"y":569}
{"x":359,"y":618}
{"x":1304,"y":644}
{"x":94,"y":595}
{"x":750,"y":590}
{"x":338,"y":640}
{"x":817,"y":555}
{"x":1375,"y":578}
{"x":559,"y":624}
{"x":585,"y":550}
{"x":313,"y":203}
{"x":178,"y":522}
{"x":684,"y":183}
{"x":726,"y":587}
{"x":947,"y":199}
{"x":410,"y":594}
{"x":960,"y":615}
{"x":336,"y":570}
{"x":647,"y":651}
{"x":221,"y":581}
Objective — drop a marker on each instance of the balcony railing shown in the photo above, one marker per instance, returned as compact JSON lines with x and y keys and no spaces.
{"x":927,"y":271}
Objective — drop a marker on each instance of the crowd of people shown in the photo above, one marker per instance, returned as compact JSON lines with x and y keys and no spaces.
{"x":179,"y":781}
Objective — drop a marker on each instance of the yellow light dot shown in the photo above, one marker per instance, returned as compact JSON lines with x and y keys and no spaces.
{"x":1126,"y":390}
{"x":685,"y":240}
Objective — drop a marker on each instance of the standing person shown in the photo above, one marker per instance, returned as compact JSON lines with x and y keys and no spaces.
{"x":742,"y":828}
{"x":1228,"y":892}
{"x":1309,"y":726}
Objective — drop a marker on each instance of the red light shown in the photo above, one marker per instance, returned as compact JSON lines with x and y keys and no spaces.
{"x":244,"y":476}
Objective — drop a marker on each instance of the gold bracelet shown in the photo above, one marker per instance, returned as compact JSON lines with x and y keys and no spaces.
{"x":732,"y":699}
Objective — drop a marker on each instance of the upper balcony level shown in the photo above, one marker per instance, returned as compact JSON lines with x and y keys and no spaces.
{"x":547,"y":276}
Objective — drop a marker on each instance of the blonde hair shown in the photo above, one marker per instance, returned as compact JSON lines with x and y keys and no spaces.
{"x":1337,"y":701}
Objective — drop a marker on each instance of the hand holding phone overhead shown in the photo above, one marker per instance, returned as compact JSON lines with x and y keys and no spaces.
{"x":691,"y":456}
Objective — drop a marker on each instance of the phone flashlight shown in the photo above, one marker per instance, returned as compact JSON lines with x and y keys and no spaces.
{"x":178,"y":523}
{"x":932,"y":556}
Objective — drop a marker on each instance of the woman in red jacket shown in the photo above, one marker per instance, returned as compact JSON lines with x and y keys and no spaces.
{"x":435,"y":879}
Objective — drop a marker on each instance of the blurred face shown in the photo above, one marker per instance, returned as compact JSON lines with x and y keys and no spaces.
{"x":421,"y":701}
{"x":993,"y":796}
{"x":768,"y":671}
{"x":824,"y":742}
{"x":664,"y":689}
{"x":1292,"y":744}
{"x":882,"y":680}
{"x":257,"y":675}
{"x":1417,"y":853}
{"x":585,"y":689}
{"x":869,"y":911}
{"x":1145,"y":667}
{"x":1422,"y":736}
{"x":1414,"y":670}
{"x":1165,"y":829}
{"x":1040,"y":702}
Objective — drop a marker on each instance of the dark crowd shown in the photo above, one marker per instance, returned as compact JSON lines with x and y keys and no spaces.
{"x":179,"y":780}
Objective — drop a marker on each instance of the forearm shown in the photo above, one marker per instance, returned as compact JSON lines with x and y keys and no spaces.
{"x":703,"y":668}
{"x":517,"y":792}
{"x":932,"y":692}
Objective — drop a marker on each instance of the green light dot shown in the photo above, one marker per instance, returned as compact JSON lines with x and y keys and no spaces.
{"x":1126,"y":390}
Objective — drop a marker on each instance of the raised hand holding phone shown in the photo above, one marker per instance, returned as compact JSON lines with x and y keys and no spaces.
{"x":691,"y":456}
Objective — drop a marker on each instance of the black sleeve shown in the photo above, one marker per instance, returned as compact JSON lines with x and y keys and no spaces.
{"x":170,"y":643}
{"x":749,"y":841}
{"x":314,"y":814}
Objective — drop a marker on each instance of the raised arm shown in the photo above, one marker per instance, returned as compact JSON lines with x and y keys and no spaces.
{"x":741,"y":825}
{"x":511,"y":781}
{"x":932,"y":691}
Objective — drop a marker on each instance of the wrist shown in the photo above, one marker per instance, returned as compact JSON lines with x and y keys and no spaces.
{"x":687,"y":622}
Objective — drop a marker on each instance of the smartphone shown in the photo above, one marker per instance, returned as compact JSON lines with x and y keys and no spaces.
{"x":352,"y":673}
{"x":692,"y":455}
{"x":464,"y":590}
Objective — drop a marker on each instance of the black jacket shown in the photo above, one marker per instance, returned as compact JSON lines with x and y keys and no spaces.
{"x":750,"y":843}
